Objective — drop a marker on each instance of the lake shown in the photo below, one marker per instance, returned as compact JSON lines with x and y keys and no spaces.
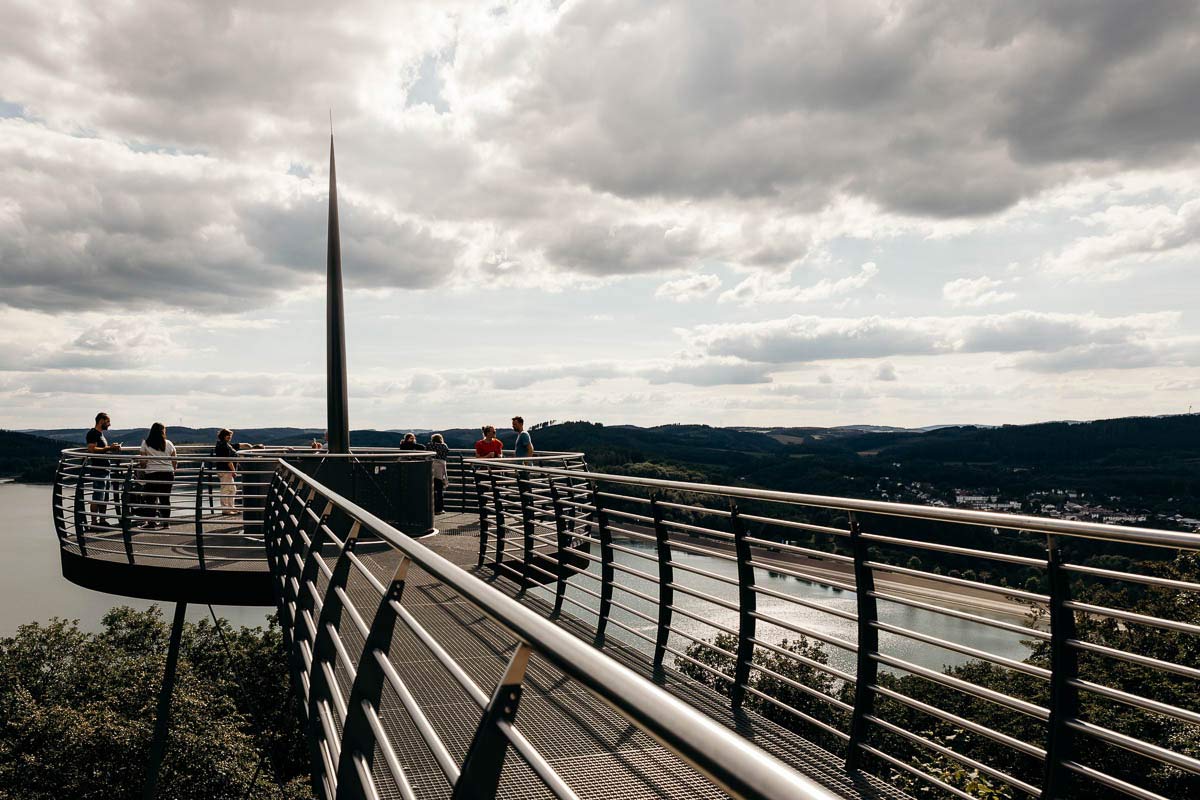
{"x":32,"y":588}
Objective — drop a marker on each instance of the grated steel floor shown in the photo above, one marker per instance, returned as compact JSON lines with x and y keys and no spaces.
{"x":596,"y":751}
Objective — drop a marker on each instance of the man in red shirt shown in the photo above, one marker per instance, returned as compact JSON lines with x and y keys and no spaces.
{"x":489,"y":446}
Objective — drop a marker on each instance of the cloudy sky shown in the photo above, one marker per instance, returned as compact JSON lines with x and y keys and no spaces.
{"x":742,"y":213}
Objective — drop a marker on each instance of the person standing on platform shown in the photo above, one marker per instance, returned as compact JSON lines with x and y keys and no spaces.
{"x":410,"y":442}
{"x":227,"y":470}
{"x":98,"y":443}
{"x":159,"y":465}
{"x":441,"y":477}
{"x":523,"y":447}
{"x":489,"y":446}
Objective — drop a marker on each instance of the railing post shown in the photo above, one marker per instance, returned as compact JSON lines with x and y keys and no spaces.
{"x":747,"y":606}
{"x":80,"y":507}
{"x":666,"y":577}
{"x":498,"y":515}
{"x":56,"y":504}
{"x":480,"y":776}
{"x":868,"y":644}
{"x":358,"y":736}
{"x":199,"y":514}
{"x":525,"y":495}
{"x":607,"y":573}
{"x":564,"y":544}
{"x":307,"y":574}
{"x":324,"y":653}
{"x":462,"y":485}
{"x":483,"y":521}
{"x":126,"y":522}
{"x":1064,"y":668}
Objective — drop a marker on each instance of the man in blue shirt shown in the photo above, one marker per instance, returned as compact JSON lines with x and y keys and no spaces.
{"x":523,"y":447}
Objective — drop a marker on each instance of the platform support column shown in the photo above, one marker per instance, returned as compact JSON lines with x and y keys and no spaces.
{"x":158,"y":745}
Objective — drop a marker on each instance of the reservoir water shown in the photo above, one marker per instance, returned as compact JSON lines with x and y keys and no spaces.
{"x":962,"y":632}
{"x":32,"y":589}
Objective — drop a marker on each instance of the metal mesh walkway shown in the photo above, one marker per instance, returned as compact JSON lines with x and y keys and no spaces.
{"x":601,"y":754}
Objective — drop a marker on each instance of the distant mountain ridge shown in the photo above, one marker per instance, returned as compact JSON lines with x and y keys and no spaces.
{"x":1156,"y":459}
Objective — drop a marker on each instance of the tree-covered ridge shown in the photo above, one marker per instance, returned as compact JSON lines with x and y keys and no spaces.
{"x":1148,"y":462}
{"x":788,"y":674}
{"x":77,"y":711}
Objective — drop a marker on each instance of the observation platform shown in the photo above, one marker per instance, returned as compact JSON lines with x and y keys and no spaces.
{"x":572,"y":634}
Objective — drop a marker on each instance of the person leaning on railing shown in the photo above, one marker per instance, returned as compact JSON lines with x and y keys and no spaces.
{"x":489,"y":446}
{"x":441,"y":454}
{"x":225,"y":450}
{"x":97,"y":443}
{"x":159,"y":474}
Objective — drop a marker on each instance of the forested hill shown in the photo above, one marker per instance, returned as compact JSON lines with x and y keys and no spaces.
{"x":27,"y":457}
{"x":1153,"y":460}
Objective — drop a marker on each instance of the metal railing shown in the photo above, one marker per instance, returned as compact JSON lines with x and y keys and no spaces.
{"x":341,"y":621}
{"x":462,"y":493}
{"x":107,"y":506}
{"x":714,"y":581}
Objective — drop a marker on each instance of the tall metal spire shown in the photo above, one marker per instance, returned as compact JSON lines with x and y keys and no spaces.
{"x":337,"y":416}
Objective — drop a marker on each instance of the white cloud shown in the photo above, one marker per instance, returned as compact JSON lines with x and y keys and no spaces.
{"x":974,"y":292}
{"x":1134,"y":235}
{"x":764,"y":287}
{"x":690,"y":288}
{"x":800,"y":339}
{"x":885,"y":372}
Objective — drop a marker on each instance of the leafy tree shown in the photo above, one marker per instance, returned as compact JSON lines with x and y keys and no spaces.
{"x":77,"y":712}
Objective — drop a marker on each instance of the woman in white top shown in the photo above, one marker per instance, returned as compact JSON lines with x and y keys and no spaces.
{"x":158,"y":471}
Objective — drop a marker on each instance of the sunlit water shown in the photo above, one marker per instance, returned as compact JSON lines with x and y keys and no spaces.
{"x":962,"y":632}
{"x":32,"y":588}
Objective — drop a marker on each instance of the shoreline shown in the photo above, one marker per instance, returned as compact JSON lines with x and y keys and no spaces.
{"x":980,"y":601}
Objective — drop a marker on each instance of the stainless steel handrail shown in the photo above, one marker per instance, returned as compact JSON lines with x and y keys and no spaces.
{"x":990,"y":519}
{"x":732,"y":763}
{"x":519,"y":495}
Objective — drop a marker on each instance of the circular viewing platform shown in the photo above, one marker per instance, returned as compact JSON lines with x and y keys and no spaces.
{"x":198,"y":537}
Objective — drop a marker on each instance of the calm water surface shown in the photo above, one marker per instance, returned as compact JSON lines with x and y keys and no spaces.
{"x":32,"y":588}
{"x":981,"y":637}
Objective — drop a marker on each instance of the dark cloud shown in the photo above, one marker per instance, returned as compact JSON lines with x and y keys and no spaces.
{"x":932,"y":108}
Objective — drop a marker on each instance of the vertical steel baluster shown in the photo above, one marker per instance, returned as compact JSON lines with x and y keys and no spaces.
{"x":199,"y":514}
{"x":462,"y":486}
{"x":358,"y":737}
{"x":498,"y":516}
{"x":525,"y":496}
{"x":290,"y":562}
{"x":480,"y":776}
{"x":747,"y":606}
{"x":324,"y":653}
{"x":56,"y":502}
{"x":126,"y":522}
{"x":564,"y":544}
{"x":80,"y":511}
{"x":1064,"y":668}
{"x":868,"y":644}
{"x":306,"y":601}
{"x":607,"y":573}
{"x":666,"y":577}
{"x":483,"y":512}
